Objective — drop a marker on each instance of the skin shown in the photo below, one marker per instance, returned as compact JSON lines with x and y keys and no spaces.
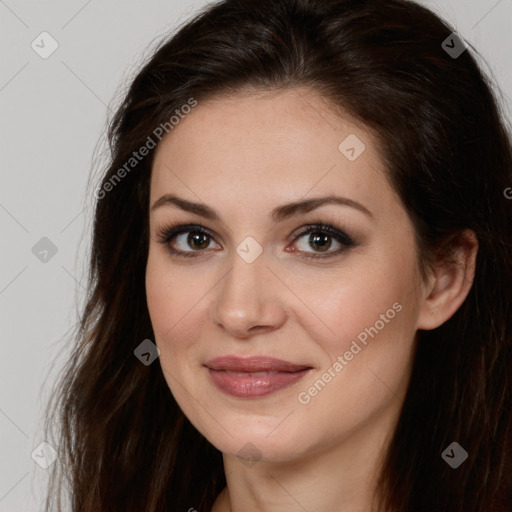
{"x":243,"y":156}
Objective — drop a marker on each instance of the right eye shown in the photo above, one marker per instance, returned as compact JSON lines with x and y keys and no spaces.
{"x":191,"y":236}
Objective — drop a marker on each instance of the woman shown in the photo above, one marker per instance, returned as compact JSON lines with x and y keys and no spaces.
{"x":299,"y":274}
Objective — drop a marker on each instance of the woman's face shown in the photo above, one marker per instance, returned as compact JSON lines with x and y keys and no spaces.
{"x":342,"y":307}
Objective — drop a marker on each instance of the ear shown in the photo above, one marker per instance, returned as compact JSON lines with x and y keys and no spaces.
{"x":449,"y":283}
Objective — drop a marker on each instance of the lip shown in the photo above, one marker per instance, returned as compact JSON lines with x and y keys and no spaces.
{"x":254,"y":377}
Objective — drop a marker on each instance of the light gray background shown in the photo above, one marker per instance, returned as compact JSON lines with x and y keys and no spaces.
{"x":53,"y":113}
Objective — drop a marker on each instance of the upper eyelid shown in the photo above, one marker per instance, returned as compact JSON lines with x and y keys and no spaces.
{"x":186,"y":227}
{"x":329,"y":219}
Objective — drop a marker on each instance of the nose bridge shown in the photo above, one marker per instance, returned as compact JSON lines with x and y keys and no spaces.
{"x":241,"y":286}
{"x":243,"y":300}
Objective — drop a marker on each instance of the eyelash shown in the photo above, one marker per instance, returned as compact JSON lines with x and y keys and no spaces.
{"x":167,"y":233}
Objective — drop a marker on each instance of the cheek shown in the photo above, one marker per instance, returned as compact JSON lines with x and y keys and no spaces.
{"x":178,"y":302}
{"x":171,"y":299}
{"x":366,"y":335}
{"x":368,"y":351}
{"x":364,"y":295}
{"x":366,"y":371}
{"x":168,"y":299}
{"x":170,"y":292}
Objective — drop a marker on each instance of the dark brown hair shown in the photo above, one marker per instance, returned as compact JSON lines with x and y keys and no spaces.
{"x":124,"y":443}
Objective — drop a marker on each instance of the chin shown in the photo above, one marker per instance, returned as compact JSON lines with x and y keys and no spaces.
{"x":256,"y":439}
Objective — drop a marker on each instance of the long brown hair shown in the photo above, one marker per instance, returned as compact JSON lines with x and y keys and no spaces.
{"x":124,"y":444}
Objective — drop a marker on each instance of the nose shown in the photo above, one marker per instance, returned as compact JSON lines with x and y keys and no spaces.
{"x":249,"y":299}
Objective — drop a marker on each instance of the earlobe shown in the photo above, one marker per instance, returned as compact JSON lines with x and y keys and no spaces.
{"x":450,"y":282}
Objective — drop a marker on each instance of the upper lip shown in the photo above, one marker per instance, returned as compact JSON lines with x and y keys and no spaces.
{"x":254,"y":364}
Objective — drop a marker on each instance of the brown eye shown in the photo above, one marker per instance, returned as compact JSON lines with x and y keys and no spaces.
{"x":197,"y":240}
{"x":320,"y":241}
{"x":321,"y":237}
{"x":185,"y":240}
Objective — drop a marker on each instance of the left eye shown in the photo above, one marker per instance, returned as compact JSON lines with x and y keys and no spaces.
{"x":198,"y":238}
{"x":321,"y":236}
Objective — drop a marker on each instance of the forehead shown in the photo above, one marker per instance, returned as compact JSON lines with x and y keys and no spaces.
{"x":281,"y":145}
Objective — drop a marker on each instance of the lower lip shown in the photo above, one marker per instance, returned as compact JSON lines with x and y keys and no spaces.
{"x":249,"y":385}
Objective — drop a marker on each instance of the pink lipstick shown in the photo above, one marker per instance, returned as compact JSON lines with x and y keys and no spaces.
{"x":253,"y":377}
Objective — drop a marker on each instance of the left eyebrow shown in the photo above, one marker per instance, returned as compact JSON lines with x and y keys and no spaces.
{"x":277,"y":214}
{"x":287,"y":210}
